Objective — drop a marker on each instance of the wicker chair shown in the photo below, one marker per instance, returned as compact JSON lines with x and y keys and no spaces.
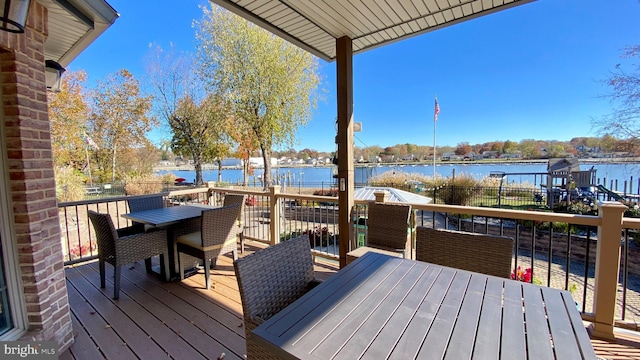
{"x":232,"y":199}
{"x":270,"y":280}
{"x":218,"y":235}
{"x":120,"y":247}
{"x":145,"y":203}
{"x":487,"y":254}
{"x":386,"y":231}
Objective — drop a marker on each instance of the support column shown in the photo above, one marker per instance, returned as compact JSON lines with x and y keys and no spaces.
{"x":274,"y":214}
{"x":344,"y":138}
{"x":607,"y":268}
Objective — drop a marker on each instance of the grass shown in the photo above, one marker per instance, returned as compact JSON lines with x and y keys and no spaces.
{"x":514,"y":203}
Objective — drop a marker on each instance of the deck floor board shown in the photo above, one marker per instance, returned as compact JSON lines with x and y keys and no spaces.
{"x":146,"y":311}
{"x":182,"y":320}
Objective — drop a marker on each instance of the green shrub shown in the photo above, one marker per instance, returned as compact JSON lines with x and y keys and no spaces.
{"x":582,"y":209}
{"x":459,"y":191}
{"x":576,"y":207}
{"x":326,"y":192}
{"x":633,"y":211}
{"x":559,"y":227}
{"x":405,"y":181}
{"x":290,"y":235}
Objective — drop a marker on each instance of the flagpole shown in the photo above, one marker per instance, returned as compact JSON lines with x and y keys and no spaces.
{"x":88,"y":141}
{"x":434,"y":150}
{"x":436,"y":111}
{"x":86,"y":151}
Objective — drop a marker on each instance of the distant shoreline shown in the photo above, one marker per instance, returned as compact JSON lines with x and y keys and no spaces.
{"x":627,"y":160}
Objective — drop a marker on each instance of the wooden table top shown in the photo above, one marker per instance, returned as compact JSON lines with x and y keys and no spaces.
{"x":168,"y":215}
{"x":382,"y":307}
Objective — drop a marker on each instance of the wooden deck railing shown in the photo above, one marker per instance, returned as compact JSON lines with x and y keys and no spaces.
{"x":575,"y":252}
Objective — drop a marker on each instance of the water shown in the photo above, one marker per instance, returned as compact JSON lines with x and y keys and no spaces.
{"x":611,"y":175}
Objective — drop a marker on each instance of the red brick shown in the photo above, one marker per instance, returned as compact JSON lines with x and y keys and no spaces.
{"x":27,"y":138}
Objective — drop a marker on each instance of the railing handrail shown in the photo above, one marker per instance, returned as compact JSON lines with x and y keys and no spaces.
{"x":239,"y":191}
{"x":93,"y":201}
{"x":472,"y":210}
{"x":508,"y":213}
{"x":630,"y":223}
{"x":317,"y":198}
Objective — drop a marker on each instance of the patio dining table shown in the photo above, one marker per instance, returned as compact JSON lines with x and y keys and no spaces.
{"x":383,"y":307}
{"x":177,"y":220}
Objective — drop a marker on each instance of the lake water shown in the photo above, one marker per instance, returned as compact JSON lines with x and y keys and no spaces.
{"x":606,"y":173}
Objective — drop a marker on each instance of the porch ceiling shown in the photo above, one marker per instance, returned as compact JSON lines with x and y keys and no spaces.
{"x":74,"y":25}
{"x":315,"y":25}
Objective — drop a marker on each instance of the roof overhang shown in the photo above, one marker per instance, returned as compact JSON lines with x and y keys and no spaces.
{"x":315,"y":25}
{"x":73,"y":26}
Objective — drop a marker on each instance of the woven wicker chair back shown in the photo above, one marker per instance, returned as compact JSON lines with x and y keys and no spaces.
{"x":219,"y":226}
{"x":274,"y":277}
{"x":145,"y":203}
{"x":106,"y":235}
{"x":487,"y":254}
{"x":387,"y":225}
{"x":233,"y":199}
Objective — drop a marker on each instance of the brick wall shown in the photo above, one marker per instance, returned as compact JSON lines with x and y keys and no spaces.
{"x":28,"y":141}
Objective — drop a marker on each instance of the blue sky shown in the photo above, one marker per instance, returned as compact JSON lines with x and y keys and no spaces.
{"x":530,"y":72}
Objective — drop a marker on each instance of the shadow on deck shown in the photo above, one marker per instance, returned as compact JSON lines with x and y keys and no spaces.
{"x":181,"y":320}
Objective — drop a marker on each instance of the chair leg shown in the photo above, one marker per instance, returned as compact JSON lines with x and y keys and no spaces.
{"x":207,"y":281}
{"x":180,"y":266}
{"x":164,"y":266}
{"x":147,"y":265}
{"x":102,"y":273}
{"x":241,"y":243}
{"x":235,"y":254}
{"x":116,"y":282}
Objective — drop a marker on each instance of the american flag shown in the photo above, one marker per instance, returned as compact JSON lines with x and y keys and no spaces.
{"x":436,"y":112}
{"x":90,"y":141}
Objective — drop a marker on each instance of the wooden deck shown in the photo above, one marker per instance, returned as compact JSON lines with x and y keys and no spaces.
{"x":181,"y":320}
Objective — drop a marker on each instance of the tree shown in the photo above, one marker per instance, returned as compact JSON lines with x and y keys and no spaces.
{"x":271,"y":84}
{"x":68,"y":113}
{"x":530,"y":149}
{"x":139,"y":161}
{"x":370,"y":153}
{"x":247,"y":145}
{"x":497,"y":146}
{"x":389,"y":150}
{"x":463,"y":148}
{"x":555,"y":150}
{"x":509,"y":147}
{"x":623,"y":122}
{"x":165,"y":150}
{"x":198,"y":117}
{"x":410,"y":148}
{"x":120,"y":118}
{"x":608,"y":143}
{"x":199,"y":131}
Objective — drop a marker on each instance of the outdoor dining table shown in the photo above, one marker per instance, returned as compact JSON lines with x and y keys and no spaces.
{"x":176,"y":219}
{"x":381,"y":307}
